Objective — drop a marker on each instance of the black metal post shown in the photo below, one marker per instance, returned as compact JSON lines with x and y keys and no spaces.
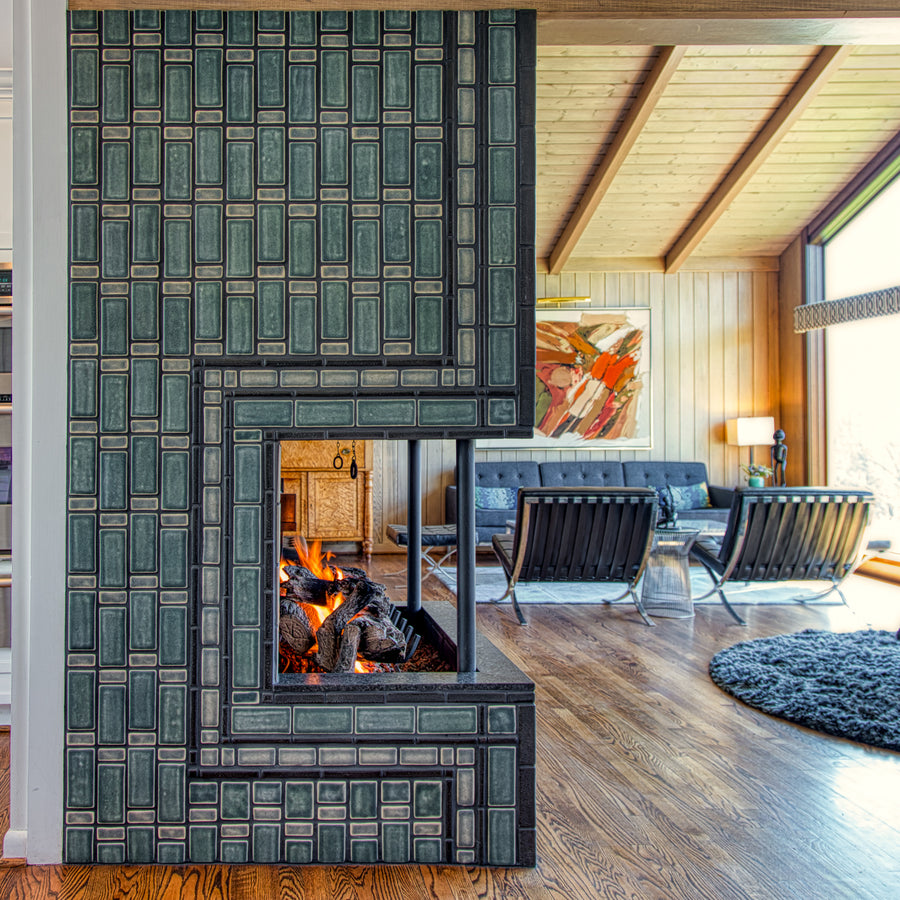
{"x":465,"y":556}
{"x":414,"y":529}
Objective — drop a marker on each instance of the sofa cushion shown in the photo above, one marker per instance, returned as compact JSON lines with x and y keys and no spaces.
{"x":514,"y":474}
{"x":495,"y":498}
{"x":689,"y":496}
{"x":647,"y":473}
{"x":582,"y":473}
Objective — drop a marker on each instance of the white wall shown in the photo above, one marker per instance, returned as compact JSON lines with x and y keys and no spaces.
{"x":6,"y":138}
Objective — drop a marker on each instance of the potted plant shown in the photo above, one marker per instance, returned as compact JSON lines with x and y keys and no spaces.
{"x":756,"y":474}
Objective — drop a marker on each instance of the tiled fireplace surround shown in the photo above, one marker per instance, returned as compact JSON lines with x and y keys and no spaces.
{"x":283,"y":225}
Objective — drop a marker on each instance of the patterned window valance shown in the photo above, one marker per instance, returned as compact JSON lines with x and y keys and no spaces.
{"x":885,"y":302}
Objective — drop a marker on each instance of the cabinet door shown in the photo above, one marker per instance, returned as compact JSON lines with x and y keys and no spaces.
{"x":334,"y":507}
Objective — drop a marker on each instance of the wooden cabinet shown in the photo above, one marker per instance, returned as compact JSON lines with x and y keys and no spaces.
{"x":322,"y":502}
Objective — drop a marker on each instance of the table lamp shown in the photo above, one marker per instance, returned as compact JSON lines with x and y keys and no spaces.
{"x":754,"y":431}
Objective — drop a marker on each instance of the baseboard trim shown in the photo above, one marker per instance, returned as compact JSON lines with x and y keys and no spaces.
{"x":15,"y":845}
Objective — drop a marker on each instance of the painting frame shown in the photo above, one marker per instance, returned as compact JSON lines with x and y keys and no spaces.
{"x":607,"y":405}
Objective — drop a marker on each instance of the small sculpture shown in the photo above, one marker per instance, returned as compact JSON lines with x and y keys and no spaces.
{"x":779,"y":459}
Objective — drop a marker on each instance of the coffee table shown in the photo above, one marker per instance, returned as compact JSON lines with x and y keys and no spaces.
{"x":666,"y":585}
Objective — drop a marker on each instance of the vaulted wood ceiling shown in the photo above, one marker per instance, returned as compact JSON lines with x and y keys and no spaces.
{"x":699,"y":153}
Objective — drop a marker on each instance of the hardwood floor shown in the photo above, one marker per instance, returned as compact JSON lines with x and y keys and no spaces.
{"x":652,"y":783}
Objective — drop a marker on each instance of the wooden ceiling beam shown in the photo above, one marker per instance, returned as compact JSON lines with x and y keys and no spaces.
{"x":828,"y":61}
{"x":611,"y":161}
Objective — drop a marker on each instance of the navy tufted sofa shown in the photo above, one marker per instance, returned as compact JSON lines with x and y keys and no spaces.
{"x":587,"y":473}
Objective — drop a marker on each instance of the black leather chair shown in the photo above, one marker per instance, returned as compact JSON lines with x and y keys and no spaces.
{"x":579,"y":534}
{"x":787,"y":534}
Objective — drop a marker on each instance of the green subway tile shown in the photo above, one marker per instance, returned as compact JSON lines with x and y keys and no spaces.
{"x":460,"y":413}
{"x":448,"y":719}
{"x":397,"y":20}
{"x":364,"y":83}
{"x":261,"y":720}
{"x":83,"y":388}
{"x":239,"y":28}
{"x":303,"y":325}
{"x":115,"y":249}
{"x":302,"y":108}
{"x":113,"y":564}
{"x":141,"y":777}
{"x":270,"y":20}
{"x":334,"y":232}
{"x":501,"y":720}
{"x":113,"y":326}
{"x":429,"y":27}
{"x":395,"y":792}
{"x":502,"y":236}
{"x":396,"y":79}
{"x":428,"y":248}
{"x":364,"y":178}
{"x":240,"y":251}
{"x":501,"y":837}
{"x":502,"y":175}
{"x":140,"y":842}
{"x":145,"y":64}
{"x":112,"y":629}
{"x":335,"y":321}
{"x":84,"y":237}
{"x":170,"y":806}
{"x":81,"y":547}
{"x":145,"y":388}
{"x":172,"y":710}
{"x":177,"y":248}
{"x":177,"y":181}
{"x":203,"y":792}
{"x":113,"y":403}
{"x":235,"y":800}
{"x":502,"y":356}
{"x":239,"y":171}
{"x":271,"y":156}
{"x":208,"y":233}
{"x":79,"y":845}
{"x":365,"y":260}
{"x":142,"y":620}
{"x":113,"y":480}
{"x":364,"y":852}
{"x":173,"y":636}
{"x":502,"y":412}
{"x":386,"y":720}
{"x":146,"y":143}
{"x":145,"y":239}
{"x":323,"y":720}
{"x":84,"y":75}
{"x":502,"y":115}
{"x":175,"y":476}
{"x":366,"y":323}
{"x":80,"y":700}
{"x":177,"y":27}
{"x":245,"y":602}
{"x":365,"y":28}
{"x":302,"y":236}
{"x":465,"y":265}
{"x":116,"y":170}
{"x":203,"y":843}
{"x":270,"y":227}
{"x":333,"y":88}
{"x":143,"y":540}
{"x":396,"y":234}
{"x":334,"y":21}
{"x":397,"y":311}
{"x":175,"y":403}
{"x":271,"y":311}
{"x":81,"y":621}
{"x":116,"y":94}
{"x":428,"y":850}
{"x":144,"y":463}
{"x":248,"y":473}
{"x":111,"y":714}
{"x":332,"y":844}
{"x":82,"y":20}
{"x":208,"y":157}
{"x":382,"y":413}
{"x":302,"y":178}
{"x":239,"y":324}
{"x":502,"y":55}
{"x":502,"y":15}
{"x":395,"y":842}
{"x":208,"y":73}
{"x":239,"y":94}
{"x":501,"y":776}
{"x":465,"y":226}
{"x":83,"y":315}
{"x":429,"y":321}
{"x":110,"y":793}
{"x":427,"y":799}
{"x":146,"y":20}
{"x":177,"y":94}
{"x":298,"y":800}
{"x":245,"y":658}
{"x":141,"y":699}
{"x":173,"y":558}
{"x":396,"y":156}
{"x":246,"y":544}
{"x":465,"y":106}
{"x":302,"y":28}
{"x":145,"y":311}
{"x":429,"y":171}
{"x":263,"y":413}
{"x":270,"y":66}
{"x":235,"y":852}
{"x":502,"y":296}
{"x":208,"y":20}
{"x":208,"y":311}
{"x":79,"y":778}
{"x":428,"y":88}
{"x":334,"y":156}
{"x":331,"y":792}
{"x":266,"y":843}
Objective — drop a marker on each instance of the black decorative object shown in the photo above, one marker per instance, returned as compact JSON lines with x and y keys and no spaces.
{"x":779,"y":459}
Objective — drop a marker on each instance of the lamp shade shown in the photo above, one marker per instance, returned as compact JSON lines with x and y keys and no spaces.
{"x":750,"y":432}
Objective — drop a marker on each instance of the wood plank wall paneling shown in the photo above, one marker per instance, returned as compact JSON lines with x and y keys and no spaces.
{"x":714,"y":339}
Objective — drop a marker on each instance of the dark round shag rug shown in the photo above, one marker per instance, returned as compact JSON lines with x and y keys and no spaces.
{"x":847,"y":685}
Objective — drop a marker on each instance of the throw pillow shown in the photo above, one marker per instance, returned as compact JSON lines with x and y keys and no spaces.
{"x":495,"y":498}
{"x":690,"y":496}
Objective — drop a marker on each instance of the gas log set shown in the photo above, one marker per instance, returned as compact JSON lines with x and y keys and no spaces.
{"x":336,"y":619}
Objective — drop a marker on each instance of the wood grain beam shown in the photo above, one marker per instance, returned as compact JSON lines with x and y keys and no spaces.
{"x":657,"y":264}
{"x":611,"y":161}
{"x":828,"y":61}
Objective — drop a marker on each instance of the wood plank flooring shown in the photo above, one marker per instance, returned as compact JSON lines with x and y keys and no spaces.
{"x":652,"y":783}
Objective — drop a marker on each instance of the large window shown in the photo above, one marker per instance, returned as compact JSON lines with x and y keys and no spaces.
{"x":863,"y":363}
